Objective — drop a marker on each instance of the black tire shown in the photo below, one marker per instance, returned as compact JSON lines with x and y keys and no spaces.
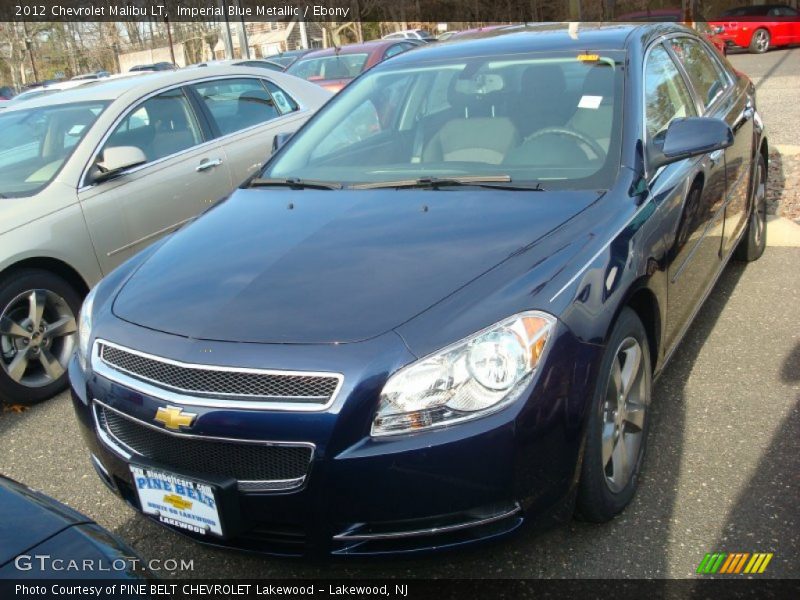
{"x":754,"y":239}
{"x":760,"y":41}
{"x":597,"y":500}
{"x":17,"y":283}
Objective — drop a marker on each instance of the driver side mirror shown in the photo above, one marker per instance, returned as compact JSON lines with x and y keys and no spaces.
{"x":116,"y":159}
{"x":280,"y":139}
{"x":687,"y":137}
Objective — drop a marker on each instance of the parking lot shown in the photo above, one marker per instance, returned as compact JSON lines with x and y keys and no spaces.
{"x":723,"y":470}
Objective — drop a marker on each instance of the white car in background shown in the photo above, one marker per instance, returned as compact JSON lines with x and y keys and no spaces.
{"x":410,"y":34}
{"x":91,"y":175}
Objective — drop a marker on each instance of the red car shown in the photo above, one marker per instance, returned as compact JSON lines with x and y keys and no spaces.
{"x":675,"y":15}
{"x":334,"y":68}
{"x":759,"y":28}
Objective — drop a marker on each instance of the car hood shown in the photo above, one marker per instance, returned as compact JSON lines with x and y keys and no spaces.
{"x":30,"y":517}
{"x":275,"y":265}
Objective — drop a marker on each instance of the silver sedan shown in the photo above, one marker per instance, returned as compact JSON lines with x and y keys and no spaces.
{"x":90,"y":176}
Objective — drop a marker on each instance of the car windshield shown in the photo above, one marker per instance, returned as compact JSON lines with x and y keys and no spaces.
{"x":541,"y":118}
{"x":338,"y":66}
{"x":36,"y":142}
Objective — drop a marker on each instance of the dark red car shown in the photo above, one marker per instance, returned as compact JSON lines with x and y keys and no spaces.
{"x":759,"y":28}
{"x":334,"y":68}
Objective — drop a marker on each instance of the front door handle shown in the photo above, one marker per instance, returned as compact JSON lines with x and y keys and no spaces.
{"x":208,"y":164}
{"x":749,"y":109}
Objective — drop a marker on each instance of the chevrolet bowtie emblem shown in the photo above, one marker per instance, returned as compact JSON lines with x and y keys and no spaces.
{"x":174,"y":418}
{"x":177,"y":502}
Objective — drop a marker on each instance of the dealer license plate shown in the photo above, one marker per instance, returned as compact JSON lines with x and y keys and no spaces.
{"x":177,"y":501}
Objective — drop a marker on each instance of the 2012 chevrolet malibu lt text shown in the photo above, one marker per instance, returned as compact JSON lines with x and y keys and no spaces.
{"x":437,"y":312}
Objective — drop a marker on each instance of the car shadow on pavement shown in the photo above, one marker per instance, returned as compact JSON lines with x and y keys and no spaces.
{"x":764,"y":517}
{"x":635,"y":544}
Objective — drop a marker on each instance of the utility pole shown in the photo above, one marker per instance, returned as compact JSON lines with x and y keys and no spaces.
{"x":29,"y":45}
{"x":243,"y":35}
{"x":169,"y":37}
{"x":303,"y":34}
{"x":227,"y":38}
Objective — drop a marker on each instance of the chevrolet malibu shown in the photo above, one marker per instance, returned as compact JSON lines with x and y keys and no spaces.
{"x":437,"y":313}
{"x":90,"y":176}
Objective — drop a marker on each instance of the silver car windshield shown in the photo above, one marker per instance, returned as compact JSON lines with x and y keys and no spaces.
{"x":36,"y":142}
{"x":552,"y":118}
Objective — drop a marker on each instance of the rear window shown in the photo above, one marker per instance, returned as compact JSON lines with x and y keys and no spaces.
{"x":343,"y":66}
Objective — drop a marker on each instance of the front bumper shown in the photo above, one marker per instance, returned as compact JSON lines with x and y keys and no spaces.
{"x":476,"y":481}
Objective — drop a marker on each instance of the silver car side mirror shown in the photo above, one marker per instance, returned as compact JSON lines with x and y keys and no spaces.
{"x":116,"y":159}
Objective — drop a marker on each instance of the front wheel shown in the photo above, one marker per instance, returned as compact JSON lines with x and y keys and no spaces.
{"x":759,"y":43}
{"x":754,"y":240}
{"x":37,"y":334}
{"x":617,"y":425}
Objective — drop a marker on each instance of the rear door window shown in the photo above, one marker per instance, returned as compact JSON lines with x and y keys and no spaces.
{"x":236,"y":104}
{"x":707,"y":78}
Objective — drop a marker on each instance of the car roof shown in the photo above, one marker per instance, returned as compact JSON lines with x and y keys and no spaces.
{"x":541,"y":37}
{"x":373,"y":46}
{"x":140,"y":85}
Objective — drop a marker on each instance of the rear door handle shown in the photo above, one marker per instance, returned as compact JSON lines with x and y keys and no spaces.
{"x":208,"y":164}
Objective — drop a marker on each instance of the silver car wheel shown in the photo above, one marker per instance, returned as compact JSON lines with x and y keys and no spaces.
{"x":762,"y":40}
{"x":624,"y":414}
{"x":37,"y":337}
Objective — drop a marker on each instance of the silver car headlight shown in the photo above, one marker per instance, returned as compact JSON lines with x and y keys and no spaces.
{"x":85,"y":328}
{"x":471,"y":378}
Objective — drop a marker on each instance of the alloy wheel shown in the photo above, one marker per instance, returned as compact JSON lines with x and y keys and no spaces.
{"x":37,"y":337}
{"x":624,"y":414}
{"x":762,"y":40}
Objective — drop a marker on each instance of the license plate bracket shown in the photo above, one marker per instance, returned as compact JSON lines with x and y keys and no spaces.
{"x":187,"y":503}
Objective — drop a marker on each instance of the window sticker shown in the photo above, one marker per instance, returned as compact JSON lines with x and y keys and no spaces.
{"x":282,"y":102}
{"x":592,"y":102}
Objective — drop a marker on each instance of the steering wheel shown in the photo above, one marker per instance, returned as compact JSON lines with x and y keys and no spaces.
{"x":581,"y":137}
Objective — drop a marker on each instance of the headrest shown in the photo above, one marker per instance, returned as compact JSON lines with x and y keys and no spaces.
{"x":254,"y":97}
{"x":543,"y":79}
{"x":599,"y":82}
{"x":475,"y":96}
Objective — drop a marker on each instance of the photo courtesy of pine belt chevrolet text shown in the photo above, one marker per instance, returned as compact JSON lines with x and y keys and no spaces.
{"x":436,"y":313}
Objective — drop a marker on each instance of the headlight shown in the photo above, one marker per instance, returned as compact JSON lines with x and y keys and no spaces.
{"x":85,"y":328}
{"x":469,"y":379}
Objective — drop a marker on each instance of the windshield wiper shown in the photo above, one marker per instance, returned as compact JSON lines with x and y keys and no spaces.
{"x":295,"y":183}
{"x":500,"y":182}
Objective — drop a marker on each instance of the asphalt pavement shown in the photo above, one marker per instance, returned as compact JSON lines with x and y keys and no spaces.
{"x":723,"y":465}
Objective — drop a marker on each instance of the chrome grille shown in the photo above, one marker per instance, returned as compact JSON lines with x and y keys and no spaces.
{"x":255,"y":465}
{"x":214,"y":381}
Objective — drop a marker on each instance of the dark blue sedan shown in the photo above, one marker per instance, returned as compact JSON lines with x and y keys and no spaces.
{"x":438,"y":311}
{"x":40,"y":538}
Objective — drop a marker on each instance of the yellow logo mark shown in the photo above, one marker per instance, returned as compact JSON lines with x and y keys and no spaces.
{"x":174,"y":418}
{"x":177,"y":502}
{"x":735,"y":563}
